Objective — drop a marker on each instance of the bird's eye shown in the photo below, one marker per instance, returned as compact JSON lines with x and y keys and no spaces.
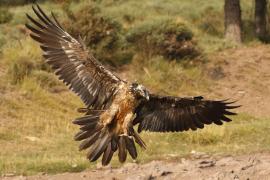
{"x":134,"y":85}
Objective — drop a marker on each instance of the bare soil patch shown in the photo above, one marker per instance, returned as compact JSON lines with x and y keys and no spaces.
{"x":243,"y":74}
{"x":198,"y":166}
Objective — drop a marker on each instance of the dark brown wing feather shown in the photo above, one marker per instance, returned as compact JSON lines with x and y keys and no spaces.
{"x":163,"y":114}
{"x":79,"y":70}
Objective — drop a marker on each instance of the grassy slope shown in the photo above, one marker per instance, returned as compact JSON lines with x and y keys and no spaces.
{"x":35,"y":128}
{"x":36,"y":135}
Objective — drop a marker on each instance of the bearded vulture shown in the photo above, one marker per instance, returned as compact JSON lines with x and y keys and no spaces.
{"x":114,"y":106}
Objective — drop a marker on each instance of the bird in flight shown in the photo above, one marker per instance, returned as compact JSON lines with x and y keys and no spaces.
{"x":114,"y":106}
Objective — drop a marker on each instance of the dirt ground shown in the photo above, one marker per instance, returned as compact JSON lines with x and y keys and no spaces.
{"x":197,"y":166}
{"x":243,"y":74}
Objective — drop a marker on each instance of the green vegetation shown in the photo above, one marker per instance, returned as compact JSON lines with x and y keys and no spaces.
{"x":245,"y":134}
{"x":147,"y":38}
{"x":165,"y":37}
{"x":103,"y":35}
{"x":37,"y":135}
{"x":5,"y":16}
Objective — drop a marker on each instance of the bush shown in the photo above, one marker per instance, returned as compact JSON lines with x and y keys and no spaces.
{"x":46,"y":79}
{"x":164,"y":37}
{"x":19,"y":69}
{"x":5,"y":16}
{"x":23,"y":2}
{"x":101,"y":34}
{"x":22,"y":57}
{"x":2,"y":41}
{"x":211,"y":22}
{"x":16,"y":2}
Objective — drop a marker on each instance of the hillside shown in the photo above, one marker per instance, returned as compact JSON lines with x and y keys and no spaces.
{"x":36,"y":110}
{"x":244,"y":75}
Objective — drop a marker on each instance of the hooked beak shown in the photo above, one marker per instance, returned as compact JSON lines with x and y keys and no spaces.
{"x":146,"y":95}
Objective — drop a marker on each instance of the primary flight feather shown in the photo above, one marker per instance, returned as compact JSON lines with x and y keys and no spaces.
{"x":114,"y":106}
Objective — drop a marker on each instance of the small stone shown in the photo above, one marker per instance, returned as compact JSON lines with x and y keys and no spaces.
{"x":9,"y":175}
{"x":183,"y":160}
{"x":83,"y":175}
{"x":206,"y":164}
{"x":165,"y":173}
{"x":149,"y":177}
{"x":32,"y":138}
{"x":99,"y":165}
{"x":246,"y":167}
{"x":74,"y":165}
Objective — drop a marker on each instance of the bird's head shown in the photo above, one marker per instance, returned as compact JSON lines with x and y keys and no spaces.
{"x":139,"y":90}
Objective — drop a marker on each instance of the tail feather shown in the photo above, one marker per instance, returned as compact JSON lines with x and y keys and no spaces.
{"x":104,"y":140}
{"x":89,"y":126}
{"x":107,"y":156}
{"x":139,"y":140}
{"x":122,"y":151}
{"x":85,"y":134}
{"x":89,"y":141}
{"x":94,"y":112}
{"x":85,"y":119}
{"x":114,"y":143}
{"x":131,"y":147}
{"x":99,"y":147}
{"x":90,"y":111}
{"x":82,"y":110}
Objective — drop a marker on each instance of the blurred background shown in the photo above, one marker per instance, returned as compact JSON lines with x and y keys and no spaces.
{"x":217,"y":49}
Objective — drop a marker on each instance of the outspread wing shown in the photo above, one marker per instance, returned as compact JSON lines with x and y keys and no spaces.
{"x":71,"y":61}
{"x":163,"y":114}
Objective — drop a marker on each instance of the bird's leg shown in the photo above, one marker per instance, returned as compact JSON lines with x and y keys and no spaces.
{"x":128,"y":123}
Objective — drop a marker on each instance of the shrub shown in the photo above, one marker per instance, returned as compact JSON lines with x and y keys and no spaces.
{"x":46,"y":79}
{"x":5,"y":16}
{"x":20,"y":68}
{"x":211,"y":22}
{"x":22,"y":57}
{"x":2,"y":41}
{"x":165,"y":37}
{"x":16,"y":2}
{"x":23,"y":2}
{"x":101,"y":34}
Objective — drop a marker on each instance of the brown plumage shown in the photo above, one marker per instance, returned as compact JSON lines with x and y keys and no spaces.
{"x":114,"y":106}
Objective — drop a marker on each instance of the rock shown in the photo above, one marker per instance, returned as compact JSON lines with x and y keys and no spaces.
{"x":74,"y":165}
{"x":99,"y":165}
{"x":165,"y":173}
{"x":207,"y":163}
{"x":246,"y":167}
{"x":183,"y":160}
{"x":32,"y":138}
{"x":149,"y":177}
{"x":9,"y":175}
{"x":83,"y":175}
